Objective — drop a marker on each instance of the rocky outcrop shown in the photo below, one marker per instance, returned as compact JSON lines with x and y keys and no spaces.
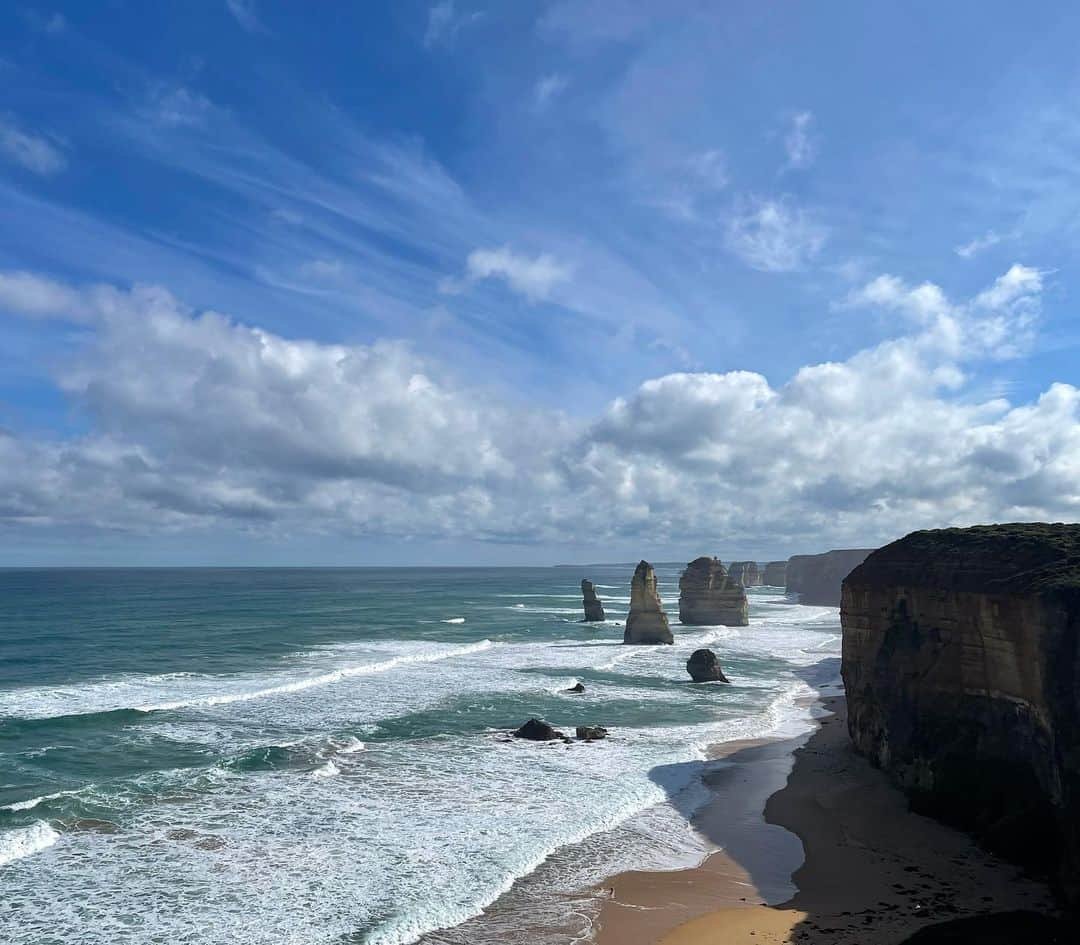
{"x":708,"y":595}
{"x":646,"y":622}
{"x":746,"y":573}
{"x":594,"y":610}
{"x":817,"y":578}
{"x":577,"y":688}
{"x":961,"y":661}
{"x":775,"y":574}
{"x":591,"y":733}
{"x":704,"y":666}
{"x":537,"y":730}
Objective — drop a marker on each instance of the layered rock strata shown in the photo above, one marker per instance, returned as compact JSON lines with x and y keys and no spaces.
{"x":594,"y":610}
{"x":746,"y":573}
{"x":961,"y":660}
{"x":709,"y":595}
{"x":775,"y":574}
{"x":817,"y":578}
{"x":646,"y":622}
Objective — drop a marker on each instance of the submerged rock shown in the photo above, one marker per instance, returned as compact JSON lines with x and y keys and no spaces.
{"x":704,"y":666}
{"x":646,"y":622}
{"x":537,"y":730}
{"x":577,"y":687}
{"x":817,"y":578}
{"x":591,"y":733}
{"x":960,"y":664}
{"x":708,"y":595}
{"x":775,"y":574}
{"x":594,"y":610}
{"x":746,"y":573}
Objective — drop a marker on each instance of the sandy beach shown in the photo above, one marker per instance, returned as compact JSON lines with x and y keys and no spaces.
{"x":832,"y":856}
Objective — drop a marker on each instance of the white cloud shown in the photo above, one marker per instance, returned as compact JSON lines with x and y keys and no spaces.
{"x":445,"y":22}
{"x":548,"y":88}
{"x":774,"y":235}
{"x":245,"y":13}
{"x":31,"y":151}
{"x":198,"y":420}
{"x":24,"y":293}
{"x":177,"y":106}
{"x":975,"y":246}
{"x":799,"y":142}
{"x":326,"y":270}
{"x":533,"y":277}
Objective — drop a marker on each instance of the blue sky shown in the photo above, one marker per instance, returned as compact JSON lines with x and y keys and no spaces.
{"x":532,"y":282}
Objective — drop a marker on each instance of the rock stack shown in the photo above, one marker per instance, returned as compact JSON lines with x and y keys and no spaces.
{"x":960,"y":663}
{"x":708,"y":595}
{"x":817,"y":578}
{"x":775,"y":574}
{"x":704,"y":666}
{"x":594,"y":610}
{"x":646,"y":622}
{"x":745,"y":572}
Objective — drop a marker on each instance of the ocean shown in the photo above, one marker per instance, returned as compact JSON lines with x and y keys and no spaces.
{"x":321,"y":756}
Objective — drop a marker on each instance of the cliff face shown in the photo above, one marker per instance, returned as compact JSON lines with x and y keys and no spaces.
{"x":775,"y":574}
{"x":594,"y":610}
{"x":708,"y":595}
{"x":745,"y":572}
{"x":817,"y":578}
{"x":961,"y":660}
{"x":646,"y":622}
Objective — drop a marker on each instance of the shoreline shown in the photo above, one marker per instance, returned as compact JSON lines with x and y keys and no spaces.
{"x":865,"y":869}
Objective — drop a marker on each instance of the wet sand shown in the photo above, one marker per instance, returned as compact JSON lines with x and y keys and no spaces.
{"x":871,"y":873}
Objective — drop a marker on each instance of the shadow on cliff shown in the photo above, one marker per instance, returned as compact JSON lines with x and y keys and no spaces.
{"x":737,"y":819}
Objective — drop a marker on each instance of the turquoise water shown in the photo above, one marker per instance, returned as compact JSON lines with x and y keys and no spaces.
{"x":318,"y":756}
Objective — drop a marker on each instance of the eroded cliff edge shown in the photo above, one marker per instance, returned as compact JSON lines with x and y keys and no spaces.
{"x":962,"y":670}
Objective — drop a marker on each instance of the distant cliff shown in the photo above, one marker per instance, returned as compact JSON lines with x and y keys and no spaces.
{"x":961,"y":661}
{"x":745,"y":572}
{"x":775,"y":574}
{"x":817,"y":578}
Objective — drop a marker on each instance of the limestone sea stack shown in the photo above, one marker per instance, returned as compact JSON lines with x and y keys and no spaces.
{"x":817,"y":578}
{"x":704,"y":666}
{"x":775,"y":574}
{"x":961,"y":660}
{"x":646,"y":622}
{"x":745,"y":572}
{"x":594,"y":610}
{"x":708,"y":595}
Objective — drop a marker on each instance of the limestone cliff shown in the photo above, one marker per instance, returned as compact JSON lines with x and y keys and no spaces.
{"x":746,"y":573}
{"x":961,"y":660}
{"x":646,"y":622}
{"x":775,"y":574}
{"x":817,"y":578}
{"x":594,"y":610}
{"x":708,"y":595}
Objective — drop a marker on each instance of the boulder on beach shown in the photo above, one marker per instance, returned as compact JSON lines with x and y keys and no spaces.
{"x":704,"y":666}
{"x":591,"y":733}
{"x":646,"y":622}
{"x":594,"y":610}
{"x":537,"y":730}
{"x":577,"y":687}
{"x":708,"y":595}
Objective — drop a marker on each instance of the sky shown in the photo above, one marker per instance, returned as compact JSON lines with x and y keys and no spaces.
{"x":465,"y":283}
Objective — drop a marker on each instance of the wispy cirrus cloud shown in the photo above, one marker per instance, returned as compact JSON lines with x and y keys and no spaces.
{"x":774,"y":235}
{"x":979,"y":244}
{"x":445,"y":22}
{"x":800,"y":144}
{"x":246,"y":13}
{"x":31,"y":151}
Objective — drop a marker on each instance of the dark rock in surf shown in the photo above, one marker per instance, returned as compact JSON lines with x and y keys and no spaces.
{"x":578,"y":688}
{"x":537,"y":730}
{"x":591,"y":733}
{"x":594,"y":610}
{"x":704,"y":666}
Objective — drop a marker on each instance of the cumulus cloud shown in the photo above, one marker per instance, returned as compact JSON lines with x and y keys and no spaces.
{"x":33,"y":152}
{"x":531,"y":276}
{"x":799,"y":142}
{"x":195,"y":419}
{"x":774,"y":235}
